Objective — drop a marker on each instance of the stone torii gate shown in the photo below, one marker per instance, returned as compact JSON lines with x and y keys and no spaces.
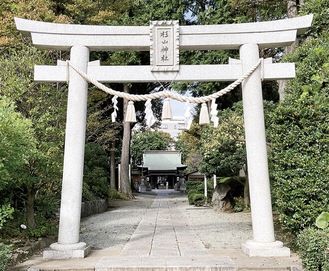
{"x":248,"y":38}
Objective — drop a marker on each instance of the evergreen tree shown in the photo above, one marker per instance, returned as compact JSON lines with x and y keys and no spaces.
{"x":299,"y":130}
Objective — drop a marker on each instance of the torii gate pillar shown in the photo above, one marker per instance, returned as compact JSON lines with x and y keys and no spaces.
{"x":68,"y":245}
{"x":263,"y":243}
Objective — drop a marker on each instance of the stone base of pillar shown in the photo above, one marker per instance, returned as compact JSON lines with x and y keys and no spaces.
{"x":273,"y":249}
{"x":60,"y":251}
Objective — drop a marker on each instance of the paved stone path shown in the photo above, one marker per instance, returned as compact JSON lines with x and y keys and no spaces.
{"x":163,"y":240}
{"x":163,"y":232}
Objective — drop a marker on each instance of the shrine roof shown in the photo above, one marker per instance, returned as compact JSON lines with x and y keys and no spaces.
{"x":162,"y":160}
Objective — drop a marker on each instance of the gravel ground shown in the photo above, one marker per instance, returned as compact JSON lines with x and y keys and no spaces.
{"x":114,"y":227}
{"x":216,"y":230}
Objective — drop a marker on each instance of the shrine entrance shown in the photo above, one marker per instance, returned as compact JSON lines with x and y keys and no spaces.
{"x":164,"y":40}
{"x":162,"y":169}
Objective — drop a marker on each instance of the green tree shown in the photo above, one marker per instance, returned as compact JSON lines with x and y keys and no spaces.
{"x":223,"y":148}
{"x":6,"y":212}
{"x":188,"y":143}
{"x":18,"y":148}
{"x":89,"y":11}
{"x":319,"y":9}
{"x":299,"y":138}
{"x":9,"y":36}
{"x":44,"y":106}
{"x":40,"y":104}
{"x":148,"y":140}
{"x":102,"y":131}
{"x":256,"y":11}
{"x":17,"y":142}
{"x":95,"y":178}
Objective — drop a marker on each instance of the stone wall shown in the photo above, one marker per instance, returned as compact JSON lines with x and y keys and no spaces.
{"x":93,"y":207}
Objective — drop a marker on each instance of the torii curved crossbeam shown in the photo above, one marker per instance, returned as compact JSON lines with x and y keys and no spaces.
{"x":137,"y":38}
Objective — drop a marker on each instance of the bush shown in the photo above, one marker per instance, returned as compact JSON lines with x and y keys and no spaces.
{"x":116,"y":195}
{"x":5,"y":255}
{"x":313,"y":249}
{"x":45,"y":228}
{"x":6,"y":212}
{"x":298,"y":134}
{"x":239,"y":205}
{"x":199,"y":199}
{"x":95,"y":184}
{"x":197,"y":188}
{"x":196,"y":185}
{"x":47,"y":204}
{"x":190,"y":195}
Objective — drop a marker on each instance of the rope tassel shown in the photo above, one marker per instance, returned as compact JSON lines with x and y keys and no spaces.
{"x":131,"y":114}
{"x":166,"y":110}
{"x":204,"y":114}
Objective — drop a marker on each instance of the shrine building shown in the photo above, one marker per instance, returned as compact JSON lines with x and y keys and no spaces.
{"x":162,"y":168}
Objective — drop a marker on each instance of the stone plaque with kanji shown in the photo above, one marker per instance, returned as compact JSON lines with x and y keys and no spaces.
{"x":164,"y":49}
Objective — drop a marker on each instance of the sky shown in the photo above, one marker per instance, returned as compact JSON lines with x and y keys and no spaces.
{"x":177,"y":107}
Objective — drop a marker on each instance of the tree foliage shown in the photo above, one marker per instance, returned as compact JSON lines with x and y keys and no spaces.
{"x":6,"y":213}
{"x":95,"y":178}
{"x":17,"y":143}
{"x":5,"y":255}
{"x":148,"y":140}
{"x":319,"y":9}
{"x":313,"y":249}
{"x":223,"y":148}
{"x":44,"y":106}
{"x":299,"y":130}
{"x":300,"y":141}
{"x":188,"y":143}
{"x":100,"y":128}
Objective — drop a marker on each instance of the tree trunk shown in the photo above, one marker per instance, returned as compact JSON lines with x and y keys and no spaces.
{"x":112,"y":167}
{"x":30,"y":208}
{"x":292,"y":8}
{"x":282,"y":85}
{"x":125,"y":186}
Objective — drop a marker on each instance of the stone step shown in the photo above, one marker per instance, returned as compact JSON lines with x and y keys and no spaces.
{"x":204,"y":263}
{"x":103,"y":261}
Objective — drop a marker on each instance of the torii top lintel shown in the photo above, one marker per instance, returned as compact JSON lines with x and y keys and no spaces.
{"x":137,"y":38}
